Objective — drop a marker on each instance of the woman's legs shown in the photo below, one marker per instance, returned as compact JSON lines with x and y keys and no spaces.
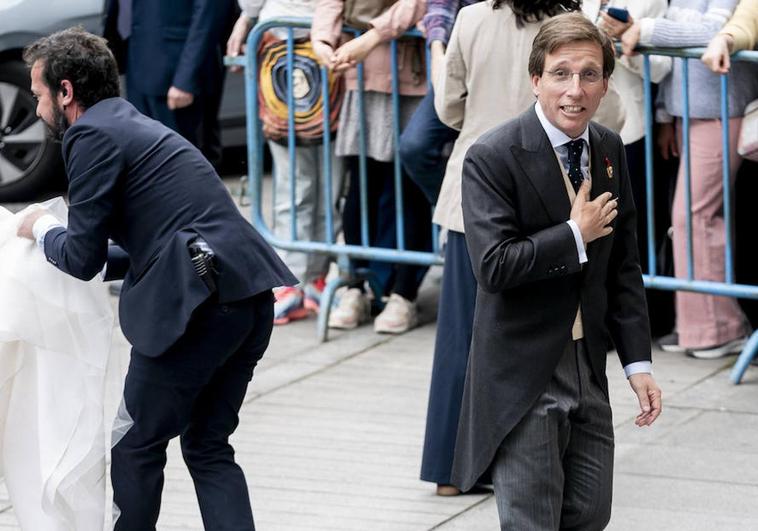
{"x":705,"y":321}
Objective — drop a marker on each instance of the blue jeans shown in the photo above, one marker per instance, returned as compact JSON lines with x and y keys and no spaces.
{"x":421,"y":146}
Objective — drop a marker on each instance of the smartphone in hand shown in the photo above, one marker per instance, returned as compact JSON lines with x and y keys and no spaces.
{"x":618,"y":13}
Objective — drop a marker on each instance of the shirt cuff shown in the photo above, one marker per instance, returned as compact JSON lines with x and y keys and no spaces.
{"x":42,"y":226}
{"x":580,"y":250}
{"x":638,"y":367}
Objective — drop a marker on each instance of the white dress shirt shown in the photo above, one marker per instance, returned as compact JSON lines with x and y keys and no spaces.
{"x":558,"y":140}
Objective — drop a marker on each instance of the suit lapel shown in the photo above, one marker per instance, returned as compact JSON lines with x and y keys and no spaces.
{"x":599,"y":170}
{"x":600,"y":177}
{"x":537,"y":159}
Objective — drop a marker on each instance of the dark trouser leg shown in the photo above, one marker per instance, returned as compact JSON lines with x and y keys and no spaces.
{"x":380,"y":224}
{"x":219,"y":481}
{"x":455,"y":322}
{"x":417,"y":216}
{"x":187,"y":121}
{"x":554,"y":470}
{"x":161,"y":396}
{"x":421,"y":146}
{"x":199,"y":124}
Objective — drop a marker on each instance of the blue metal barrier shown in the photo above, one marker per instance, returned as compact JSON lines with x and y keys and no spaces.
{"x":729,"y":287}
{"x":342,"y":252}
{"x":345,"y":253}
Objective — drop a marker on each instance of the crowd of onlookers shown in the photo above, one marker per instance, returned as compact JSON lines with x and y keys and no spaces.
{"x":479,"y":79}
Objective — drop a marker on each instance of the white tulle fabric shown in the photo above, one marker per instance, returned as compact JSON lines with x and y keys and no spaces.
{"x":55,"y":337}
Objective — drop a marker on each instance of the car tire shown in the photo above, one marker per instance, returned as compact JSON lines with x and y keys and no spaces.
{"x":30,"y":160}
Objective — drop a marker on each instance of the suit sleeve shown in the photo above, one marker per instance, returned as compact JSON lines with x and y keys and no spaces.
{"x":627,"y":318}
{"x":209,"y":18}
{"x":502,"y":256}
{"x":94,"y":165}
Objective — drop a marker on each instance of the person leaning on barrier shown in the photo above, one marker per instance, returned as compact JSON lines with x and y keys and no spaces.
{"x":196,"y":305}
{"x":309,"y":207}
{"x":707,"y":326}
{"x":391,"y":19}
{"x":550,"y":228}
{"x":740,"y":33}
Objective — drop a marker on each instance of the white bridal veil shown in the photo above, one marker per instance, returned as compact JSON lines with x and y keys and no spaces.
{"x":55,"y":337}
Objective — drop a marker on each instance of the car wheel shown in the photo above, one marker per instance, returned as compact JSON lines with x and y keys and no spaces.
{"x":29,"y":158}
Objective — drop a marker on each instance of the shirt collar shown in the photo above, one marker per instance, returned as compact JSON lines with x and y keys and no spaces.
{"x":556,"y":136}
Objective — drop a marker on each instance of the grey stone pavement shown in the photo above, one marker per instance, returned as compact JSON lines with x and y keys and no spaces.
{"x":330,"y":438}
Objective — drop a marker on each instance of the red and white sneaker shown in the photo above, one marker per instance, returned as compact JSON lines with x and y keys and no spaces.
{"x":312,"y":292}
{"x":289,"y":305}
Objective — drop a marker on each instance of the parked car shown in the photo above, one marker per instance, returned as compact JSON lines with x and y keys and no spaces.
{"x":29,"y":159}
{"x":30,"y":162}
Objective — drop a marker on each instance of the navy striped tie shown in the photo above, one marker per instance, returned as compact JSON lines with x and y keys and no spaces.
{"x":575,"y":162}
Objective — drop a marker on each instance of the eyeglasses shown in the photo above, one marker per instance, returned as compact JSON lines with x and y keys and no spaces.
{"x":564,"y":77}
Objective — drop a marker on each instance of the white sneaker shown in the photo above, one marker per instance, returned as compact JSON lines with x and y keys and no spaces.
{"x":398,"y":316}
{"x":352,"y":309}
{"x":719,"y":351}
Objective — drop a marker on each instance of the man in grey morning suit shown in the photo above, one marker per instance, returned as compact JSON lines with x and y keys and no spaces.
{"x":550,"y":227}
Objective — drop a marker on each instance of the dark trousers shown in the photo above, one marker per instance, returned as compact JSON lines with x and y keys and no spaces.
{"x":401,"y":279}
{"x":194,"y":391}
{"x":455,"y":323}
{"x":554,"y":470}
{"x":421,"y":148}
{"x":198,"y":122}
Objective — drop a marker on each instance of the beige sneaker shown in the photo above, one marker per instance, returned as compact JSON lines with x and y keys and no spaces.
{"x":398,"y":316}
{"x":353,"y":308}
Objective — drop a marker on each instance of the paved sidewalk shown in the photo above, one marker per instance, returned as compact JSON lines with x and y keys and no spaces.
{"x":330,"y":439}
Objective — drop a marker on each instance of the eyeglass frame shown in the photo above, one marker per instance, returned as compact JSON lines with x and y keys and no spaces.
{"x":553,"y":75}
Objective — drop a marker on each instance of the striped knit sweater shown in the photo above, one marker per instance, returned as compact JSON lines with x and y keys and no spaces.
{"x":440,"y":16}
{"x":694,"y":23}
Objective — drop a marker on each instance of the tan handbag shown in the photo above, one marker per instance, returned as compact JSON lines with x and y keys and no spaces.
{"x":359,"y":13}
{"x":747,"y":146}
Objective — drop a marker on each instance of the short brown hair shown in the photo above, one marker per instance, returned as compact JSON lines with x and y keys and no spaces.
{"x":80,"y":57}
{"x":564,"y":29}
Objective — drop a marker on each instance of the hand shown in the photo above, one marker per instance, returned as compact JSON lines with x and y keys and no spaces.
{"x":649,"y":395}
{"x":354,"y":51}
{"x":178,"y":98}
{"x":613,"y":27}
{"x":235,"y":46}
{"x":324,"y":53}
{"x":437,"y":52}
{"x":666,"y":140}
{"x":630,"y":39}
{"x":593,"y":217}
{"x":421,"y":27}
{"x":27,"y":224}
{"x":716,"y":56}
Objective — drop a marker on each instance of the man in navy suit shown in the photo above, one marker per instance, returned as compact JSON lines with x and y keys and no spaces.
{"x":174,"y":62}
{"x":197,"y":326}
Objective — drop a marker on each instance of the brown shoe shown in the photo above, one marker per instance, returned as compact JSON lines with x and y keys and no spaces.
{"x":447,"y":490}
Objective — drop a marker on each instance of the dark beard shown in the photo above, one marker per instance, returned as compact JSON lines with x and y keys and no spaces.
{"x":59,"y":126}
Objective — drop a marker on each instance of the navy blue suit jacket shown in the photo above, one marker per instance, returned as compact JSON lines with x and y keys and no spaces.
{"x":174,"y":42}
{"x":135,"y":181}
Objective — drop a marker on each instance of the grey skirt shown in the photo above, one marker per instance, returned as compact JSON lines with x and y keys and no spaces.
{"x":380,"y":142}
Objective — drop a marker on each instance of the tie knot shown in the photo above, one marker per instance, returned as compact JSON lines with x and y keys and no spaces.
{"x":575,"y":148}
